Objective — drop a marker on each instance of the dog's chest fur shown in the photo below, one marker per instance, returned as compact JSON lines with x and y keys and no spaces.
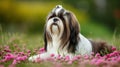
{"x":53,"y":47}
{"x":83,"y":47}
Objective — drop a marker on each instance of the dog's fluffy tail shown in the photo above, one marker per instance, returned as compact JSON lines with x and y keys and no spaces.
{"x":101,"y":47}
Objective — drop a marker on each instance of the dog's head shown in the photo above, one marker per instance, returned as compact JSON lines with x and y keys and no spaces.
{"x":63,"y":24}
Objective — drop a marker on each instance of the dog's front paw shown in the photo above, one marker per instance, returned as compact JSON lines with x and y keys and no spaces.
{"x":33,"y":58}
{"x":39,"y":57}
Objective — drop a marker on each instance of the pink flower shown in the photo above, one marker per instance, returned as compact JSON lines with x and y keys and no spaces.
{"x":99,"y":61}
{"x":52,"y":55}
{"x":21,"y":53}
{"x":37,"y":60}
{"x":78,"y":56}
{"x":14,"y":62}
{"x":18,"y":58}
{"x":113,"y":48}
{"x":114,"y":58}
{"x":112,"y":54}
{"x":7,"y":50}
{"x":21,"y":58}
{"x":75,"y":58}
{"x":25,"y":57}
{"x":97,"y":55}
{"x":86,"y":57}
{"x":42,"y":50}
{"x":118,"y":59}
{"x":8,"y":56}
{"x":93,"y":61}
{"x":67,"y":58}
{"x":108,"y":56}
{"x":28,"y":51}
{"x":59,"y":57}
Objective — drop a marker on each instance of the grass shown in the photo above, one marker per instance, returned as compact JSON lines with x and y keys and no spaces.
{"x":23,"y":40}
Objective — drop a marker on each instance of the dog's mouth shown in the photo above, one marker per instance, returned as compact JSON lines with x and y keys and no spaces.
{"x":55,"y":28}
{"x":54,"y":24}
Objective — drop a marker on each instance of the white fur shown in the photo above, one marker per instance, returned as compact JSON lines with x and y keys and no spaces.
{"x":84,"y":46}
{"x":58,"y":10}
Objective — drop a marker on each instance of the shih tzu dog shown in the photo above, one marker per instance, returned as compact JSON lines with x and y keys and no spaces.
{"x":62,"y":36}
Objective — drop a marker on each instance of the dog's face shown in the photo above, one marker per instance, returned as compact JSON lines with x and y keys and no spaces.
{"x":55,"y":21}
{"x":63,"y":24}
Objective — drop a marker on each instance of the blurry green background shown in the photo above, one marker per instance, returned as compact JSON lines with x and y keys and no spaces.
{"x":99,"y":19}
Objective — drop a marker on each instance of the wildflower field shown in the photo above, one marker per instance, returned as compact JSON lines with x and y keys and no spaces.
{"x":15,"y":49}
{"x":21,"y":31}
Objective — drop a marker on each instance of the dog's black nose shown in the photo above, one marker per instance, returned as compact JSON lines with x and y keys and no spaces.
{"x":55,"y":19}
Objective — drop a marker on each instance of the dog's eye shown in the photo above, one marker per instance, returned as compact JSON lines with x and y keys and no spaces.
{"x":65,"y":14}
{"x":51,"y":16}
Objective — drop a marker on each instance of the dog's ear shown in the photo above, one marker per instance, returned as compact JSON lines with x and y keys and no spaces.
{"x":74,"y":24}
{"x":74,"y":32}
{"x":47,"y":38}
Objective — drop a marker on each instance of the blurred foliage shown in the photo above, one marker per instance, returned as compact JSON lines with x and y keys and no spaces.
{"x":29,"y":15}
{"x":106,"y":11}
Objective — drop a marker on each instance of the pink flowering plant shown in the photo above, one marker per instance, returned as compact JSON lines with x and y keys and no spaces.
{"x":15,"y":55}
{"x":18,"y":56}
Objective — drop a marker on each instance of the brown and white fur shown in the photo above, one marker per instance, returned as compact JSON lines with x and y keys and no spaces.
{"x":62,"y":36}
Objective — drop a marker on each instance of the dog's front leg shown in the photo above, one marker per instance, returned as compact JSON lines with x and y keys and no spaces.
{"x":42,"y":56}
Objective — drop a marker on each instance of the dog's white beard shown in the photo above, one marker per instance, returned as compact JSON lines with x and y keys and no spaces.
{"x":55,"y":29}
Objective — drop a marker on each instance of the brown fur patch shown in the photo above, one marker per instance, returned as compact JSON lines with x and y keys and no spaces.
{"x":101,"y":47}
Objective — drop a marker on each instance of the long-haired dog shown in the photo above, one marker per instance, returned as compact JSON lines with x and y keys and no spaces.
{"x":62,"y":36}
